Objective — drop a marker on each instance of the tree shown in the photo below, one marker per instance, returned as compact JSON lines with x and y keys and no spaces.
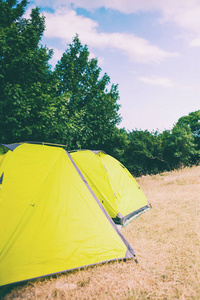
{"x":65,"y":128}
{"x":179,"y":148}
{"x":144,"y":152}
{"x":80,"y":76}
{"x":193,"y":122}
{"x":117,"y":144}
{"x":25,"y":75}
{"x":72,"y":105}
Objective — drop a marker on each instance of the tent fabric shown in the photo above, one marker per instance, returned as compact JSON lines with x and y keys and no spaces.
{"x":1,"y":157}
{"x":113,"y":184}
{"x":50,"y":221}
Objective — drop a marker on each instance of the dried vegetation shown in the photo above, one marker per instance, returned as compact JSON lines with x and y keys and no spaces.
{"x":166,"y":240}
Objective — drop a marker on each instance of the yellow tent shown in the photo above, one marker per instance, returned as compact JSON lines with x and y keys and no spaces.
{"x":112,"y":183}
{"x":50,"y":220}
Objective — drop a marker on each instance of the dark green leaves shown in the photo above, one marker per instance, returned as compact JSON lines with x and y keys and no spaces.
{"x":76,"y":104}
{"x":80,"y":76}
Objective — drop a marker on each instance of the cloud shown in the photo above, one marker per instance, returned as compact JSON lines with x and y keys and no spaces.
{"x":125,"y":6}
{"x":160,"y":81}
{"x":57,"y":54}
{"x":195,"y":43}
{"x":100,"y":59}
{"x":65,"y":23}
{"x":171,"y":9}
{"x":183,"y":13}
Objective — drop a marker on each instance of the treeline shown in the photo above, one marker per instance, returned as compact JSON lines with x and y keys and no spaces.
{"x":147,"y":152}
{"x":73,"y":104}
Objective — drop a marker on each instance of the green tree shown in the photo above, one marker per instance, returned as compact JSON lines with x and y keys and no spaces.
{"x":193,"y":122}
{"x":71,"y":106}
{"x":179,"y":148}
{"x":25,"y":75}
{"x":80,"y":76}
{"x":144,"y":152}
{"x":65,"y":128}
{"x":117,"y":144}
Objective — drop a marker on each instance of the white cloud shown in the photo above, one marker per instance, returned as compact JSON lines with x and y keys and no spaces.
{"x":100,"y":59}
{"x":183,"y":13}
{"x":124,"y":6}
{"x":160,"y":81}
{"x":65,"y":23}
{"x":57,"y":54}
{"x":195,"y":43}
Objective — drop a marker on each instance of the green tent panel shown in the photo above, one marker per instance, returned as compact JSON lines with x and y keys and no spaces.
{"x":114,"y":186}
{"x":50,"y":219}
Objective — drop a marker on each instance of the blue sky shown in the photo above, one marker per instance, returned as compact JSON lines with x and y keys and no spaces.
{"x":151,"y":48}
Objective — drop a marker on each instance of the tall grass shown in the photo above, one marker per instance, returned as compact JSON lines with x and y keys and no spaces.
{"x":166,"y":240}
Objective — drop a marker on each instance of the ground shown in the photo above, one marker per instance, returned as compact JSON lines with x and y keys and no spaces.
{"x":166,"y":240}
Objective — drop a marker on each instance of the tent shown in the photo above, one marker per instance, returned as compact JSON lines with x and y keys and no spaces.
{"x":50,"y":219}
{"x":113,"y":185}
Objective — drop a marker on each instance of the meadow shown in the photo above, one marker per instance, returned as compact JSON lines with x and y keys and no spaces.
{"x":166,"y":240}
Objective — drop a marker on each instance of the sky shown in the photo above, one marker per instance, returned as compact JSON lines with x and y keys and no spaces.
{"x":150,"y":48}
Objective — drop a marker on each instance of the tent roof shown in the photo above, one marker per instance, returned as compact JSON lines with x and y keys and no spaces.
{"x":50,"y":219}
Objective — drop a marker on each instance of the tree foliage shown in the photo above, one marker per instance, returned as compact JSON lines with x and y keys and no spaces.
{"x":179,"y":148}
{"x":144,"y":152}
{"x":193,"y":122}
{"x":25,"y":75}
{"x":76,"y":104}
{"x":80,"y":76}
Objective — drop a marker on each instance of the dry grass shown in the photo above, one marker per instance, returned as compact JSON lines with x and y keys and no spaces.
{"x":166,"y":240}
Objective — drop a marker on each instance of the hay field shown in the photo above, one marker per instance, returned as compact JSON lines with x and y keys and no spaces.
{"x":166,"y":240}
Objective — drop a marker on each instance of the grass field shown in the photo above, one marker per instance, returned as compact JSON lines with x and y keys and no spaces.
{"x":166,"y":240}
